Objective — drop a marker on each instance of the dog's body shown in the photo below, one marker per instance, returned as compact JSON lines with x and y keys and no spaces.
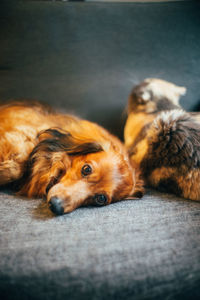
{"x":72,"y":162}
{"x":163,"y":139}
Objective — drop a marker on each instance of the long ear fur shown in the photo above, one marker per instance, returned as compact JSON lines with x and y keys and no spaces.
{"x":54,"y":140}
{"x":49,"y":160}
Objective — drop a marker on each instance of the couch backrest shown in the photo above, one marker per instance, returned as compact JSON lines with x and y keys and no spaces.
{"x":85,"y":57}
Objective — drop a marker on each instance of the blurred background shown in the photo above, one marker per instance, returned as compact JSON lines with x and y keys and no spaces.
{"x":84,"y":58}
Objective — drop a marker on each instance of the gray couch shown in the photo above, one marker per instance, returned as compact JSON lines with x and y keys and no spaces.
{"x":84,"y":58}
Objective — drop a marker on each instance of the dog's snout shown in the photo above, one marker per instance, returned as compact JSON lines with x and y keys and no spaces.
{"x":56,"y":205}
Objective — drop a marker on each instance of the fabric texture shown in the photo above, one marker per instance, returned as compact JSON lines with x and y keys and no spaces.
{"x":85,"y":58}
{"x":143,"y":249}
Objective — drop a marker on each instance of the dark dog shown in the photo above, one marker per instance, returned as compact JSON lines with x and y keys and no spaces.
{"x":71,"y":162}
{"x":163,"y":139}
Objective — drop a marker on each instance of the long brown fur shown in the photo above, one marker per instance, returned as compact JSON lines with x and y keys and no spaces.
{"x":44,"y":153}
{"x":162,"y":139}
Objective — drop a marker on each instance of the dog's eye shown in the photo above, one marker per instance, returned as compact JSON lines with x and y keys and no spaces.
{"x":100,"y":199}
{"x":86,"y":170}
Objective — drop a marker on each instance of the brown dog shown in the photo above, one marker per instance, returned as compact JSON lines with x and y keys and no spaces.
{"x":72,"y":162}
{"x":163,"y":139}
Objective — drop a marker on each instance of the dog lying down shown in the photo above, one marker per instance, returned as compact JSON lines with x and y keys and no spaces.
{"x":163,"y":139}
{"x":72,"y":162}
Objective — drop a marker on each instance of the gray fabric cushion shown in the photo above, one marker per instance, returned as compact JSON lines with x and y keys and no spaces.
{"x":141,"y":249}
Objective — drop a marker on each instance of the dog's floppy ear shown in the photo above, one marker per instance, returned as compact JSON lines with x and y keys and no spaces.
{"x":51,"y":133}
{"x":58,"y":140}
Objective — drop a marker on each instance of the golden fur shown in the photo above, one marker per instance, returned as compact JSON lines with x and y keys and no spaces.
{"x":49,"y":154}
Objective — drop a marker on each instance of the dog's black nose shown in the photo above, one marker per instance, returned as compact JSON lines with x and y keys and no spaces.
{"x":56,"y":206}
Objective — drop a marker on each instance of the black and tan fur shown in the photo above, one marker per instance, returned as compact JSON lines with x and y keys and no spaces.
{"x":163,"y":139}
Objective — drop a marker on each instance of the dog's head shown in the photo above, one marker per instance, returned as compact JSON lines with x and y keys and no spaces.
{"x":73,"y":172}
{"x":153,"y":95}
